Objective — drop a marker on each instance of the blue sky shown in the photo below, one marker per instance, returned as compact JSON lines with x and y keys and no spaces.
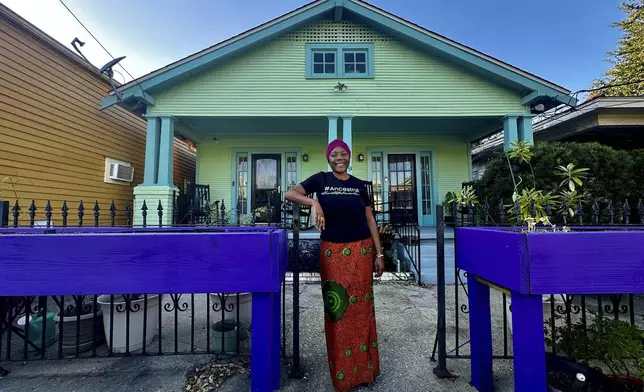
{"x":564,"y":41}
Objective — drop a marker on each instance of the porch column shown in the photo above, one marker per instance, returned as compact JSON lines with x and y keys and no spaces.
{"x":525,"y":129}
{"x":333,"y":132}
{"x":333,"y":128}
{"x":166,"y":149}
{"x":151,"y":170}
{"x":347,"y":135}
{"x":510,"y":133}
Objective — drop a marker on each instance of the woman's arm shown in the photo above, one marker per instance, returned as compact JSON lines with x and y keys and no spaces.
{"x":375,"y":235}
{"x":297,"y":194}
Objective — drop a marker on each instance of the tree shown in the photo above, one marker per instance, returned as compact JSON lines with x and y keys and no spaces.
{"x":627,"y":73}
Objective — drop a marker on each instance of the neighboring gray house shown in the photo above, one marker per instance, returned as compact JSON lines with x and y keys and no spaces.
{"x":613,"y":121}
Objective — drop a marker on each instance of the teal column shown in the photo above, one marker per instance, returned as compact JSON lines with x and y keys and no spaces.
{"x":151,"y":172}
{"x":347,"y":135}
{"x":333,"y":128}
{"x":333,"y":132}
{"x":166,"y":146}
{"x":510,"y":131}
{"x":525,"y":129}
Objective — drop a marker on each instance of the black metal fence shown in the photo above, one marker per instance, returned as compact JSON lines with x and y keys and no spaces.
{"x":94,"y":326}
{"x":561,"y":312}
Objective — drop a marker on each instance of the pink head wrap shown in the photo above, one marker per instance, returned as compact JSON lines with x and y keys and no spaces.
{"x":334,"y":144}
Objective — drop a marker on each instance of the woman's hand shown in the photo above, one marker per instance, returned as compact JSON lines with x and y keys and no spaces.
{"x":319,"y":216}
{"x":379,"y":265}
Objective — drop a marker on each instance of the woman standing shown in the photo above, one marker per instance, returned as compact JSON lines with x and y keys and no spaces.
{"x":350,"y":244}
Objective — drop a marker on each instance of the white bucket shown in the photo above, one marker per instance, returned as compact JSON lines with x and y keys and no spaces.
{"x":136,"y":321}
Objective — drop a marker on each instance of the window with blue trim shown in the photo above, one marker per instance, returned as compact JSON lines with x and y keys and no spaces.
{"x":339,"y":60}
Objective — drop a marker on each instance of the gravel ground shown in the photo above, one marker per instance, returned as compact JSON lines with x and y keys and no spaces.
{"x":406,"y":317}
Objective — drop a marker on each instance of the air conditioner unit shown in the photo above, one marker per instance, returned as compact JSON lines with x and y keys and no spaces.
{"x":121,"y":172}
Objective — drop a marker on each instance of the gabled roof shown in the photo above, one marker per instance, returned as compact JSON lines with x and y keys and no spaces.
{"x":533,"y":88}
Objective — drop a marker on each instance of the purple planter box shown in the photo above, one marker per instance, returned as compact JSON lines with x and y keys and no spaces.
{"x":70,"y":261}
{"x":598,"y":260}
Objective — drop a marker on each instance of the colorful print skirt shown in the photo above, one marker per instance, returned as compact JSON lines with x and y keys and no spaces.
{"x":349,"y":313}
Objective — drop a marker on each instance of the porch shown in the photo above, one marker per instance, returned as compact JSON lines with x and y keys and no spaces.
{"x":248,"y":163}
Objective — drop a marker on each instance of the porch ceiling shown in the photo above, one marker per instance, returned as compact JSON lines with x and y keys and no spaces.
{"x":469,"y":128}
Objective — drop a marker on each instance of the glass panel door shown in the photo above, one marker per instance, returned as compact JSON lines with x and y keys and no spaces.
{"x":266,"y":187}
{"x":402,"y":188}
{"x":241,"y":184}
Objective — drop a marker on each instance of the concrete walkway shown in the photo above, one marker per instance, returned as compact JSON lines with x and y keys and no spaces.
{"x":406,"y":317}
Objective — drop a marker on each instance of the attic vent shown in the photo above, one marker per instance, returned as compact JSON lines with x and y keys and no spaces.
{"x":330,"y":31}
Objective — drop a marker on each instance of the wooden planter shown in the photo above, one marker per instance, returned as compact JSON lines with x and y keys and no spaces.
{"x":598,"y":260}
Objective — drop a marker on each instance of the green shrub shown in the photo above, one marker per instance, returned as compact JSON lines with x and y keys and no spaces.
{"x":613,"y":174}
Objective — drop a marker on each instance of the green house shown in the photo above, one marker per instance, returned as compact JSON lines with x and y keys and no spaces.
{"x":261,"y":107}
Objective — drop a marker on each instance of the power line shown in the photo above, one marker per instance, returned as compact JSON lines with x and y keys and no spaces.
{"x":99,"y":42}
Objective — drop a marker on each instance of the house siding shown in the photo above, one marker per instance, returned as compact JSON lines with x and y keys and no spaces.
{"x":53,"y":137}
{"x":215,"y":160}
{"x":270,"y":80}
{"x":625,"y":118}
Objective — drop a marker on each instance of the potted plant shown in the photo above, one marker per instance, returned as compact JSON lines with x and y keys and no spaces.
{"x":614,"y":346}
{"x":134,"y":305}
{"x":448,"y":203}
{"x":388,"y":243}
{"x":91,"y":332}
{"x":226,"y":331}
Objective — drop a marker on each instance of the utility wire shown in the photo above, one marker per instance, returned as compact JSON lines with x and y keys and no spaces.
{"x":104,"y":48}
{"x":93,"y":36}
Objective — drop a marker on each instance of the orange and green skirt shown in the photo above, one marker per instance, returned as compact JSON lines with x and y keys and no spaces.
{"x":349,"y":313}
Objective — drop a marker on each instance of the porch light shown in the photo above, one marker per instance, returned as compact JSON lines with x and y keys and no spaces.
{"x":340,"y":87}
{"x":361,"y":157}
{"x":305,"y":157}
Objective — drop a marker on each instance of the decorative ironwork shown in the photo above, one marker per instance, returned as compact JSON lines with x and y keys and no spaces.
{"x":175,"y":304}
{"x":144,"y":213}
{"x":221,"y":305}
{"x":626,"y":213}
{"x":595,"y":213}
{"x":128,"y":304}
{"x":611,"y":212}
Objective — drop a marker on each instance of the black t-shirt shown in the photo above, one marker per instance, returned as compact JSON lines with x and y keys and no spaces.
{"x":344,"y":204}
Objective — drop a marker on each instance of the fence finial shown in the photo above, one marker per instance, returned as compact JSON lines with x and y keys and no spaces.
{"x":595,"y":212}
{"x":97,"y":212}
{"x":81,"y":213}
{"x":65,"y":213}
{"x":128,"y":214}
{"x":626,"y":212}
{"x":611,"y":211}
{"x":224,"y":221}
{"x":112,"y":214}
{"x":160,"y":213}
{"x":144,"y":213}
{"x":580,"y":212}
{"x":48,"y":213}
{"x":32,"y":213}
{"x":640,"y":210}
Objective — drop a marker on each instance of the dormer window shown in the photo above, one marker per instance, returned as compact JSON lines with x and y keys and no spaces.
{"x":339,"y":60}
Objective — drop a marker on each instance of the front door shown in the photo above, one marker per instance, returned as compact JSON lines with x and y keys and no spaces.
{"x":402,"y":188}
{"x":266,"y":188}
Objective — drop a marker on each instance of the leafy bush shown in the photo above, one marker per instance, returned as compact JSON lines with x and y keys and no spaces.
{"x":613,"y":174}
